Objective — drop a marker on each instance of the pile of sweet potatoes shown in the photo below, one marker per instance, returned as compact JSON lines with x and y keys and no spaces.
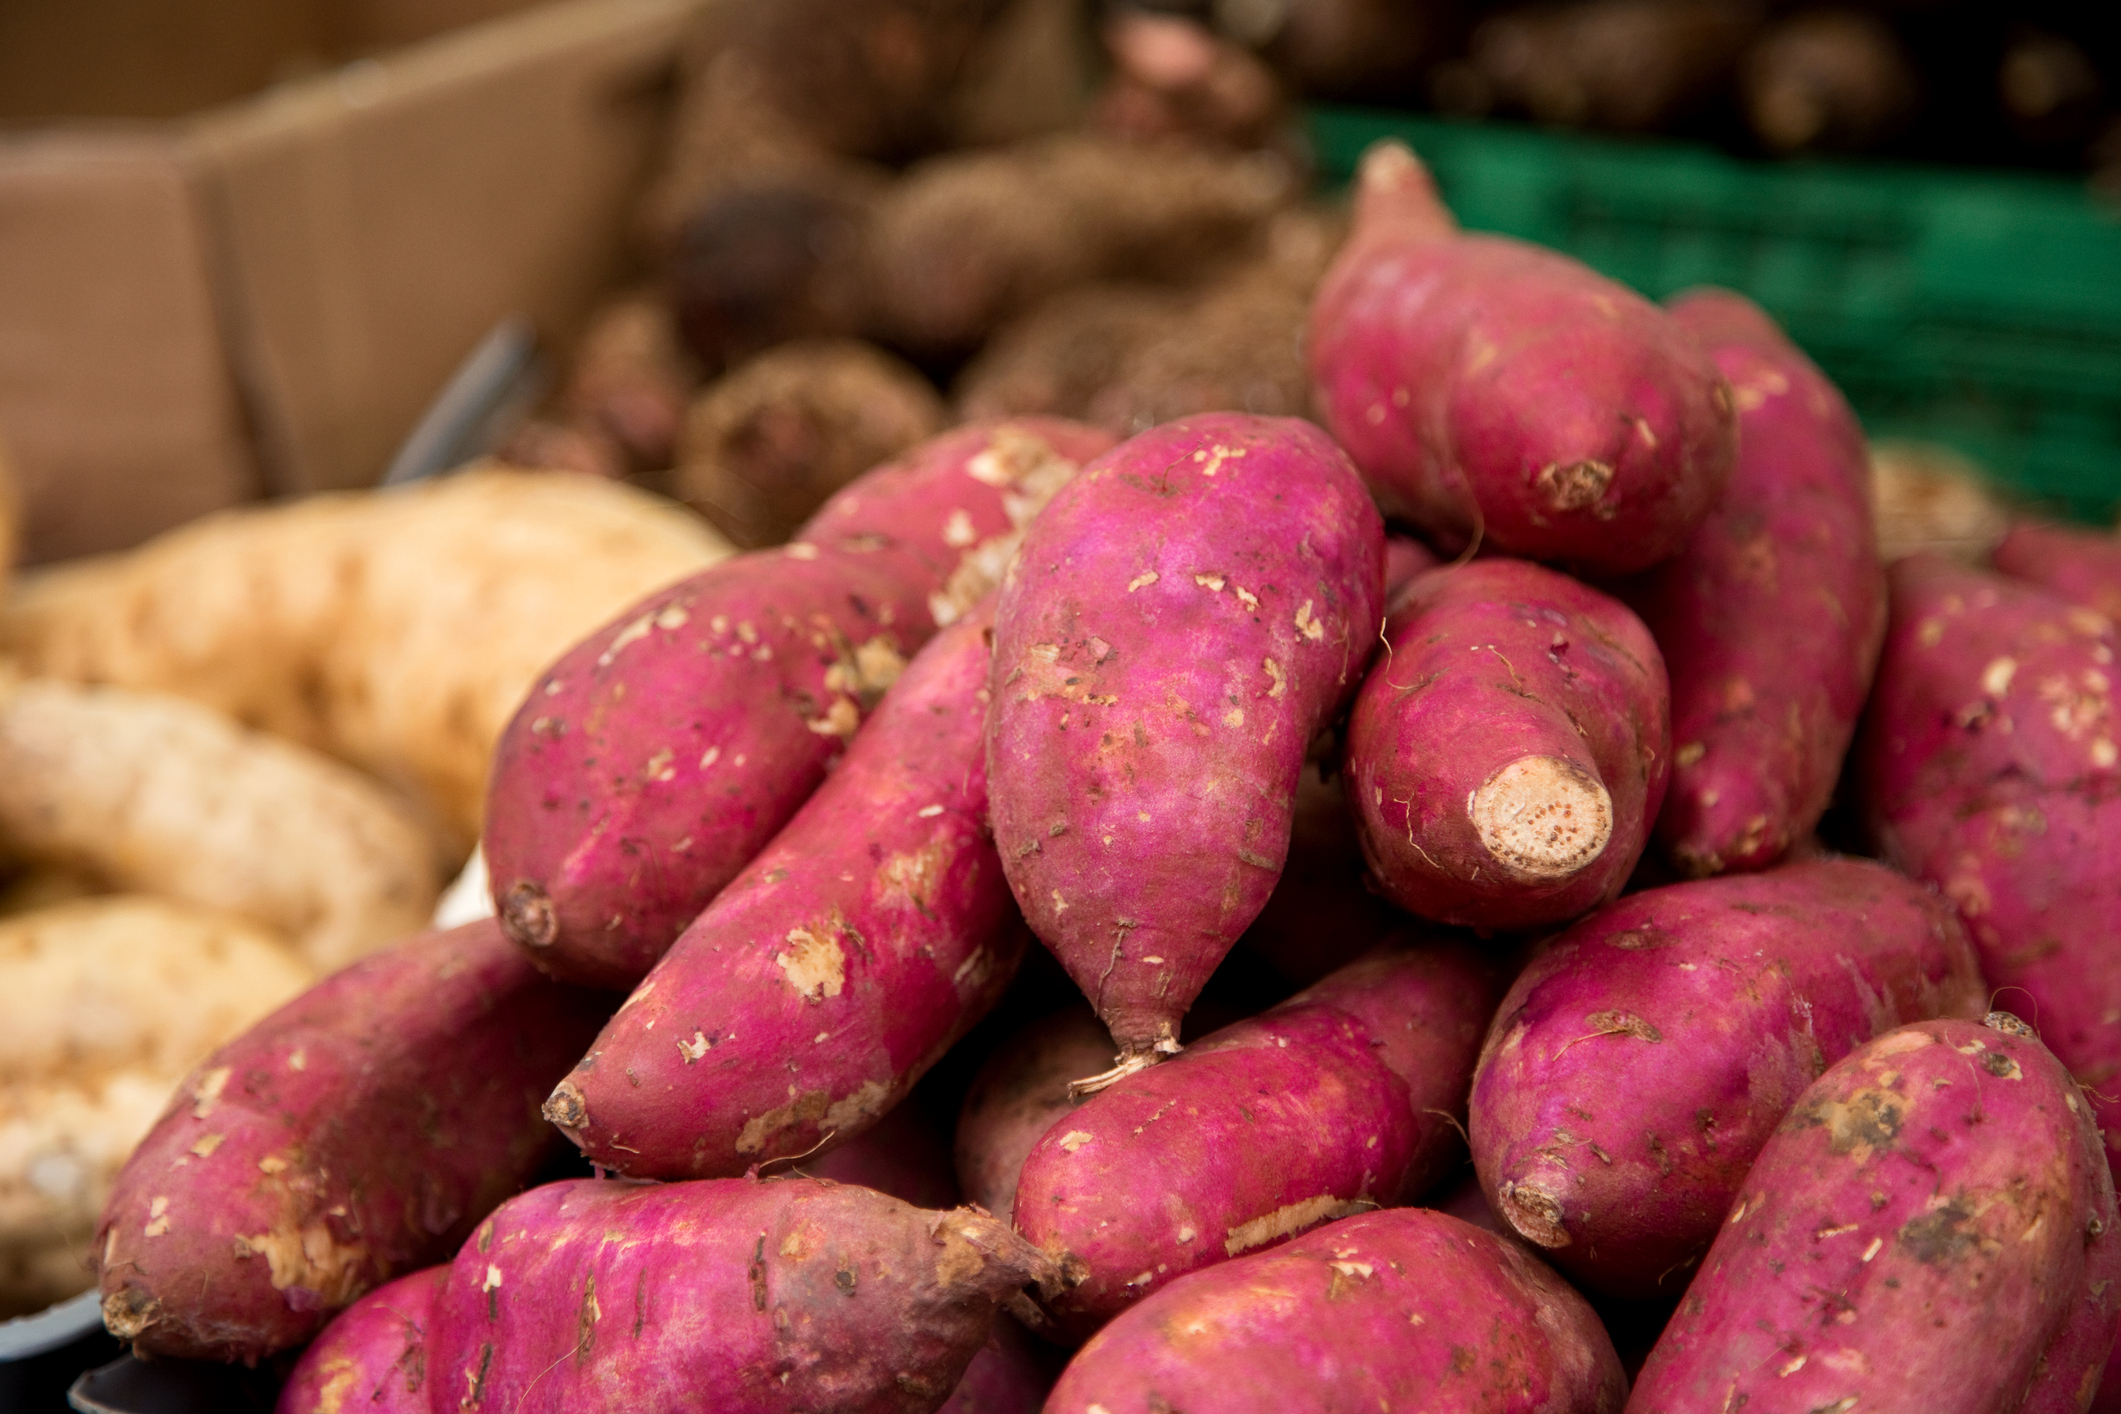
{"x":1264,"y":914}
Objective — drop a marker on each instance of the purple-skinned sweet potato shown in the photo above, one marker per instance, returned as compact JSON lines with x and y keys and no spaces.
{"x":1495,"y":391}
{"x":1344,"y":1097}
{"x":1323,"y":914}
{"x":1011,"y":1374}
{"x":1988,"y":766}
{"x":1921,"y":1233}
{"x":1403,"y":1309}
{"x":743,"y":1296}
{"x":372,"y":1358}
{"x":356,"y":1133}
{"x":1644,"y":1056}
{"x":1508,"y":752}
{"x":1772,"y":616}
{"x":649,"y":765}
{"x":1405,"y":557}
{"x":1020,"y":1093}
{"x":841,"y":964}
{"x":2072,"y":562}
{"x":1181,"y":620}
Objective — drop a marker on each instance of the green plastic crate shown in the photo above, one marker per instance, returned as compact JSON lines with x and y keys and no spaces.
{"x":1978,"y":309}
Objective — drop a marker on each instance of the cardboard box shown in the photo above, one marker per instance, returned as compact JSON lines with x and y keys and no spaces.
{"x":261,"y":297}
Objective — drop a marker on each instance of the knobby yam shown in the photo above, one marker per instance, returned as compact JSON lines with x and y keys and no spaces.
{"x":163,"y":796}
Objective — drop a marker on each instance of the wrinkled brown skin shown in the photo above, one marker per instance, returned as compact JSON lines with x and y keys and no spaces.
{"x":1772,"y":617}
{"x":1630,"y":65}
{"x":1020,"y":1093}
{"x":1403,"y":1309}
{"x":1645,"y":1055}
{"x":1059,"y":354}
{"x":630,"y":379}
{"x":372,"y":1358}
{"x":650,"y":764}
{"x":1180,"y":622}
{"x":358,"y":1132}
{"x":766,"y":444}
{"x":1930,"y":1230}
{"x":1344,"y":1097}
{"x":1174,"y":80}
{"x":742,"y":1296}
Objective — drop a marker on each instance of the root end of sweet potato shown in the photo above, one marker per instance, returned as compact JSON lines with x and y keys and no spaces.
{"x":1543,"y":818}
{"x":1535,"y":1213}
{"x":529,"y":917}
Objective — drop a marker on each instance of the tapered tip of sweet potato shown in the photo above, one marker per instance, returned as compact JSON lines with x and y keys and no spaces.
{"x":984,"y":1253}
{"x":566,"y":1108}
{"x":1543,"y":818}
{"x":1393,"y":187}
{"x":1534,"y":1212}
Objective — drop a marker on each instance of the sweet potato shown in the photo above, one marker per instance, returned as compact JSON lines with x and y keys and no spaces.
{"x":768,"y":442}
{"x":395,"y":630}
{"x":736,"y":1295}
{"x":967,"y":240}
{"x":1827,"y":80}
{"x":1508,"y":752}
{"x":650,"y":764}
{"x":1056,"y":356}
{"x":1182,"y":619}
{"x":1928,"y":497}
{"x":1405,"y":557}
{"x":1322,"y":914}
{"x":1175,"y":80}
{"x":1627,"y":65}
{"x":356,"y":1133}
{"x":1919,"y":1231}
{"x":1640,"y":1061}
{"x":1020,"y":1093}
{"x":1405,"y":1309}
{"x":372,"y":1358}
{"x":1772,"y":616}
{"x":1011,"y":1374}
{"x":630,"y":379}
{"x":157,"y":795}
{"x":1491,"y":390}
{"x":1988,"y":767}
{"x":2074,"y":563}
{"x":108,"y":1002}
{"x":825,"y":980}
{"x":1342,"y":1098}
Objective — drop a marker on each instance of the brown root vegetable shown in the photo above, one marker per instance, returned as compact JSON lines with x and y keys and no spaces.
{"x":630,"y":379}
{"x":395,"y":630}
{"x":108,"y":1003}
{"x":967,"y":240}
{"x":1057,"y":356}
{"x":1239,"y":347}
{"x":1345,"y":49}
{"x":1832,"y":79}
{"x":1174,"y":78}
{"x":163,"y":796}
{"x":1928,"y":497}
{"x":1631,"y":65}
{"x":766,"y":444}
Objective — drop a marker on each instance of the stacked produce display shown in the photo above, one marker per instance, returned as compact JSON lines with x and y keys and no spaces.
{"x":1250,"y":804}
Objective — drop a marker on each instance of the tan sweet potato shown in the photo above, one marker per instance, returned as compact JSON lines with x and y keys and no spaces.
{"x":767,"y":443}
{"x":1928,"y":497}
{"x":163,"y":796}
{"x":104,"y":1005}
{"x":395,"y":630}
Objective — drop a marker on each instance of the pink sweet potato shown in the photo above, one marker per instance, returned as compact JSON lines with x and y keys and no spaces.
{"x":1505,"y":758}
{"x":737,"y":1295}
{"x":1988,"y":766}
{"x":1020,"y":1093}
{"x":2072,"y":562}
{"x":1495,"y":391}
{"x":1772,"y":616}
{"x":356,"y":1133}
{"x":1641,"y":1060}
{"x":1183,"y":618}
{"x":659,"y":755}
{"x":1342,"y":1098}
{"x":840,"y":965}
{"x":1405,"y":557}
{"x":1921,"y":1233}
{"x":1011,"y":1374}
{"x":372,"y":1358}
{"x":1322,"y":914}
{"x":1405,"y":1309}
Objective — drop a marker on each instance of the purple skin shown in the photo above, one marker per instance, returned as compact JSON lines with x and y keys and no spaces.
{"x":1183,"y":618}
{"x":1343,"y":1098}
{"x":1642,"y":1059}
{"x":1772,"y":616}
{"x":1012,"y":1374}
{"x":1406,"y":557}
{"x":353,"y":1135}
{"x":653,"y":761}
{"x":1496,"y":392}
{"x":372,"y":1358}
{"x":1987,"y":766}
{"x":1020,"y":1093}
{"x":807,"y":999}
{"x":1403,"y":1309}
{"x":1922,"y":1232}
{"x":736,"y":1295}
{"x":2071,"y":562}
{"x":1506,"y":756}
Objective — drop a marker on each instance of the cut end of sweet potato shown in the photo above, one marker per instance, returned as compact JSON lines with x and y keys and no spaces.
{"x":1533,"y":1212}
{"x":1543,"y":818}
{"x":567,"y":1109}
{"x":128,"y":1312}
{"x":528,"y":916}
